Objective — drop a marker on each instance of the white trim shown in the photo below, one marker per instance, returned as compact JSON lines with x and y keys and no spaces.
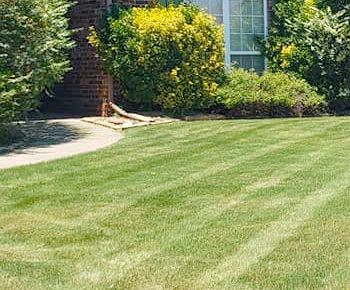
{"x":245,"y":53}
{"x":266,"y":23}
{"x":226,"y":21}
{"x":266,"y":18}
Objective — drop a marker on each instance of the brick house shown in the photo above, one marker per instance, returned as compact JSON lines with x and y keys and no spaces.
{"x":86,"y":87}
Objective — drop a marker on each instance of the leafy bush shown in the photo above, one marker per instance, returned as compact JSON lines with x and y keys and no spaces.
{"x":272,"y":94}
{"x":34,"y":40}
{"x":327,"y":41}
{"x":172,"y":57}
{"x":286,"y":22}
{"x":336,"y":5}
{"x":321,"y":55}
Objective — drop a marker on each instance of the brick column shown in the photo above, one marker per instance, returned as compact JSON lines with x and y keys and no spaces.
{"x":86,"y":86}
{"x":269,"y":5}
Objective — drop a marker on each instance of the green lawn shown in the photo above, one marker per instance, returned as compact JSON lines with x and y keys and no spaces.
{"x":252,"y":204}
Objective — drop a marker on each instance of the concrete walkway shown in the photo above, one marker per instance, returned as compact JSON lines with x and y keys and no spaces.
{"x":54,"y":139}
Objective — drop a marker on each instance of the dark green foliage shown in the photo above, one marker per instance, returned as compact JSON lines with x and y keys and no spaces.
{"x":336,"y":5}
{"x":272,"y":94}
{"x":311,"y":40}
{"x":170,"y":2}
{"x":34,"y":44}
{"x":327,"y":41}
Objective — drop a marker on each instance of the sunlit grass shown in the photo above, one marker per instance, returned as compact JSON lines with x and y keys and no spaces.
{"x":261,"y":204}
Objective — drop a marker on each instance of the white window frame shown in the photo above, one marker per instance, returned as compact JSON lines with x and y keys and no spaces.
{"x":227,"y":33}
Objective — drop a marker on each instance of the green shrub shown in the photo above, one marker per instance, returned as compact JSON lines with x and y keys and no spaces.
{"x":336,"y":5}
{"x":313,"y":43}
{"x":272,"y":94}
{"x":170,"y":57}
{"x":326,"y":39}
{"x":34,"y":41}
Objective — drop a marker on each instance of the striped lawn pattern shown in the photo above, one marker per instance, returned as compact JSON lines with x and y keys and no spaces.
{"x":245,"y":204}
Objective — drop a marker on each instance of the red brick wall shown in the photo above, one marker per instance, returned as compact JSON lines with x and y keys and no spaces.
{"x":86,"y":85}
{"x":269,"y":5}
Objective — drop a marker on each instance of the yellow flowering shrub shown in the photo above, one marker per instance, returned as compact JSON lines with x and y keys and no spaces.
{"x":309,"y":6}
{"x":169,"y":57}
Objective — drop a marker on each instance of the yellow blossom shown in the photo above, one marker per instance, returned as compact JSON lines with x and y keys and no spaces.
{"x":288,"y":50}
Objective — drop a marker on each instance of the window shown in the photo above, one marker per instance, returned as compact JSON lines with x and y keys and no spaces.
{"x":245,"y":22}
{"x":214,"y":7}
{"x":246,"y":27}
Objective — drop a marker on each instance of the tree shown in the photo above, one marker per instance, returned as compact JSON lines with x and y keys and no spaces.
{"x":34,"y":46}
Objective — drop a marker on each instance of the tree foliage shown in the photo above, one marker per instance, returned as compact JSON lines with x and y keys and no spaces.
{"x":34,"y":44}
{"x":309,"y":39}
{"x":335,"y":5}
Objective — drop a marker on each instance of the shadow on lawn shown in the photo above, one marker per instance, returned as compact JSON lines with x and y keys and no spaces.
{"x":39,"y":134}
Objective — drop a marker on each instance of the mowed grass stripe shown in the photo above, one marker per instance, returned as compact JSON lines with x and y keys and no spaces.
{"x":319,"y":247}
{"x":267,"y":240}
{"x":111,"y":158}
{"x":340,"y":276}
{"x":127,"y":165}
{"x":162,"y":165}
{"x":222,"y":166}
{"x":198,"y":220}
{"x":83,"y":228}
